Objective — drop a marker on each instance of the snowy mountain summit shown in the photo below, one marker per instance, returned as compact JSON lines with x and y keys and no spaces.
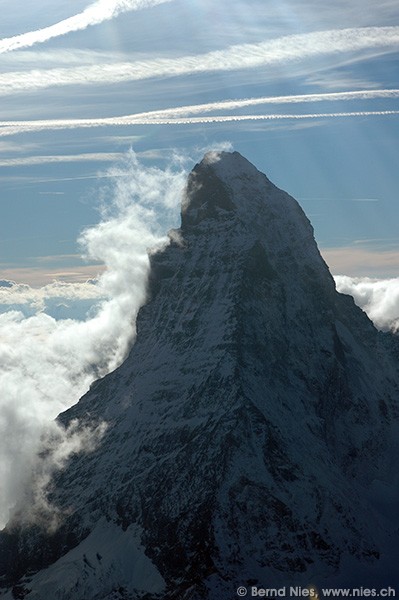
{"x":250,"y":431}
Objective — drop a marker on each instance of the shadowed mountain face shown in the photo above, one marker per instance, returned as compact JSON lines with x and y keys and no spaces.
{"x":249,"y":431}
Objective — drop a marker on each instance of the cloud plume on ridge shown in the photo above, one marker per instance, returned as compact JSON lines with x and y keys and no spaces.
{"x":95,"y":13}
{"x":46,"y":365}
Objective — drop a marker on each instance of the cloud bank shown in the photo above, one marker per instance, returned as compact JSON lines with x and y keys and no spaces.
{"x":95,"y":13}
{"x":378,"y":298}
{"x":45,"y":364}
{"x":60,"y":300}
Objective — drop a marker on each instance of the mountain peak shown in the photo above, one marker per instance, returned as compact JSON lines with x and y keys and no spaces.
{"x":228,"y":198}
{"x":229,"y":163}
{"x":211,"y":185}
{"x":229,"y":182}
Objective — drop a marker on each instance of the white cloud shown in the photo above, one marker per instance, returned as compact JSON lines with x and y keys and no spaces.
{"x":58,"y":299}
{"x":277,"y":51}
{"x":46,"y":365}
{"x":378,"y":298}
{"x":95,"y":13}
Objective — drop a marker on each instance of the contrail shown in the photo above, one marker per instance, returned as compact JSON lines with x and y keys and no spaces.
{"x":161,"y":116}
{"x":8,"y":128}
{"x":95,"y":13}
{"x":285,"y":49}
{"x":293,"y":99}
{"x":273,"y":117}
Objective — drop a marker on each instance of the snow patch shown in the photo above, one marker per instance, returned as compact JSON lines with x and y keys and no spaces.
{"x":109,"y":559}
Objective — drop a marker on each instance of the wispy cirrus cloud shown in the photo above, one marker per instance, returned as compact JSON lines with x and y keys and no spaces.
{"x":336,"y":80}
{"x":242,"y":56}
{"x":95,"y":13}
{"x":61,"y":158}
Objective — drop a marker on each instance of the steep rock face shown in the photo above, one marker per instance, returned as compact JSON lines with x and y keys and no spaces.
{"x":245,"y":428}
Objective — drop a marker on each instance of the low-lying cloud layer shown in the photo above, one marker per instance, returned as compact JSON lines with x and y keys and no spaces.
{"x":47,"y":364}
{"x":59,"y":300}
{"x":378,"y":298}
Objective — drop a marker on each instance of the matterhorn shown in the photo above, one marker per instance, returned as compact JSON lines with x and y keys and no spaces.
{"x":250,"y":432}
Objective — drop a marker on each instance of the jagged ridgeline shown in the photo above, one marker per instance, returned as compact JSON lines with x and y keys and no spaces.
{"x":250,"y":431}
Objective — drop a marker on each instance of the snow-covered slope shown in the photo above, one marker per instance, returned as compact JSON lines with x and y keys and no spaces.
{"x":249,"y":432}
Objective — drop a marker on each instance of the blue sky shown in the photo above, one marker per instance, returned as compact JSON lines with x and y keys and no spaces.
{"x":71,"y":70}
